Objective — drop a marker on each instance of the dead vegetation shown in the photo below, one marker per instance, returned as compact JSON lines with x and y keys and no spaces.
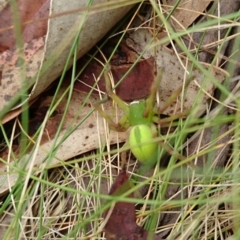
{"x":58,"y":188}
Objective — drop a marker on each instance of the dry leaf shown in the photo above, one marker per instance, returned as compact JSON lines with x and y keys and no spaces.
{"x":184,"y":15}
{"x":175,"y":70}
{"x":209,"y":38}
{"x":122,"y":221}
{"x":43,"y":68}
{"x":28,"y":12}
{"x":186,"y":12}
{"x":12,"y":70}
{"x":76,"y":137}
{"x":136,"y":85}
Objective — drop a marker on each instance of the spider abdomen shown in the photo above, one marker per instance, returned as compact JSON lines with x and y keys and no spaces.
{"x":142,"y":143}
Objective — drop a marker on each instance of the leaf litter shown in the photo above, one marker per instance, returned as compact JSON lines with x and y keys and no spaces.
{"x":121,"y":224}
{"x":43,"y":67}
{"x":165,"y":219}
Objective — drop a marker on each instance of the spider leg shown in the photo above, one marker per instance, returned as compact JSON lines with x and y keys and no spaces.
{"x":171,"y":99}
{"x":112,"y":95}
{"x":123,"y":125}
{"x":163,"y":122}
{"x":171,"y":151}
{"x":152,"y":97}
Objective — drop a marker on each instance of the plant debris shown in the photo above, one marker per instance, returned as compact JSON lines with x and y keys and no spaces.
{"x":122,"y":221}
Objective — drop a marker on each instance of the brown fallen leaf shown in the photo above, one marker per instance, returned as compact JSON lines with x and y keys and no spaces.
{"x":209,"y":50}
{"x":83,"y":134}
{"x":28,"y":12}
{"x":136,"y":85}
{"x":11,"y":82}
{"x":45,"y":63}
{"x":186,"y":12}
{"x":122,"y":221}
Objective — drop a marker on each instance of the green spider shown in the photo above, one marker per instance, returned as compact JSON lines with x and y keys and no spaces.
{"x":142,"y":116}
